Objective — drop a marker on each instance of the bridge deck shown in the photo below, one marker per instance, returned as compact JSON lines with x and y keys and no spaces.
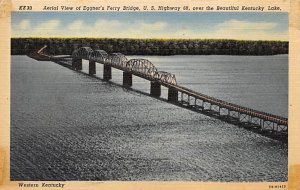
{"x":247,"y":117}
{"x":230,"y":106}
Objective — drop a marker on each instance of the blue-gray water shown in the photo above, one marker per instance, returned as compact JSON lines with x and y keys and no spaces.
{"x":69,"y":126}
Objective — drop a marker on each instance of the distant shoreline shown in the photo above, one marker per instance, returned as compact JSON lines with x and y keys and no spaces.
{"x":159,"y":47}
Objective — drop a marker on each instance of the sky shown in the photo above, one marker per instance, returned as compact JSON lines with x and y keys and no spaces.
{"x":175,"y":25}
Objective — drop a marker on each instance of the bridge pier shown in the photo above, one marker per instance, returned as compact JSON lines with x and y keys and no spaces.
{"x":73,"y":64}
{"x":92,"y":67}
{"x":155,"y":89}
{"x":106,"y":72}
{"x":127,"y":79}
{"x":172,"y":95}
{"x":77,"y":64}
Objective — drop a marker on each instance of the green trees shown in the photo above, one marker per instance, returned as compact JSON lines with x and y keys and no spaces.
{"x":56,"y":46}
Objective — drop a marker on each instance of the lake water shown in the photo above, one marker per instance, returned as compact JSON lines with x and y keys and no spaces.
{"x":69,"y":126}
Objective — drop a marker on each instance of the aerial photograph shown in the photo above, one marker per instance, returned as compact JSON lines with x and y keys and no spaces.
{"x":149,"y":96}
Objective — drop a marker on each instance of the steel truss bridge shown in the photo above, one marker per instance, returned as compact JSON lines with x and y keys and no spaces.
{"x":261,"y":122}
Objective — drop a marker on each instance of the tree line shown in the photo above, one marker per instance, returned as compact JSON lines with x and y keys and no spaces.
{"x":64,"y":46}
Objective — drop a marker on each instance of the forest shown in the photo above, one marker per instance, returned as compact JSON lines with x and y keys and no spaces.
{"x":65,"y":46}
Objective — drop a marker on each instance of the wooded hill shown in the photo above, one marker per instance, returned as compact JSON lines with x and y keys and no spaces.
{"x":58,"y":46}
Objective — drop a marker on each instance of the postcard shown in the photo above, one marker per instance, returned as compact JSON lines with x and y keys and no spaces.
{"x":149,"y":95}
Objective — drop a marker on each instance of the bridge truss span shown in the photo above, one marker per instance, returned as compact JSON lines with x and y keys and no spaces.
{"x":82,"y":53}
{"x":142,"y":66}
{"x":165,"y":77}
{"x":117,"y":60}
{"x":99,"y":56}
